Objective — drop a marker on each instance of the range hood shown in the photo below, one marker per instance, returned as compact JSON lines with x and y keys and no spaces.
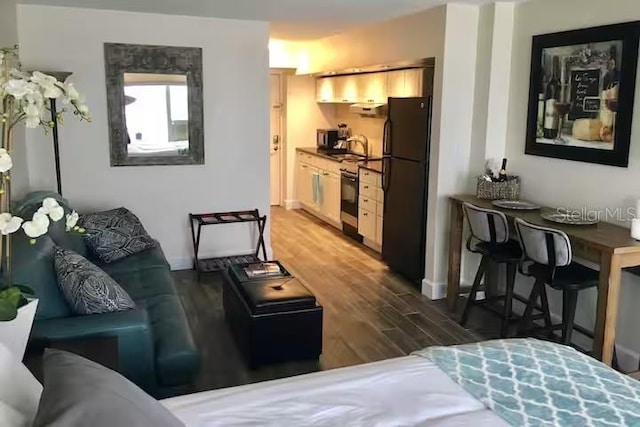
{"x":369,"y":110}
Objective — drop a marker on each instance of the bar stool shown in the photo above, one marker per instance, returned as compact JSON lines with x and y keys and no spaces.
{"x":490,"y":238}
{"x":549,"y":253}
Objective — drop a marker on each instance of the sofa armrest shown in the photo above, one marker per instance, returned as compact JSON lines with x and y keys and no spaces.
{"x":131,"y":328}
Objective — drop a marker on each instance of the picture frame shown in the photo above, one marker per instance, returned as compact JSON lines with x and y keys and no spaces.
{"x":581,"y":94}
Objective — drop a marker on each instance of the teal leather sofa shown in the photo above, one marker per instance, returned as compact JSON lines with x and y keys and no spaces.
{"x":156,"y":348}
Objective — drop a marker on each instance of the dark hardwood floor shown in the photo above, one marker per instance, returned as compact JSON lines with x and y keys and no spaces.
{"x":370,"y":313}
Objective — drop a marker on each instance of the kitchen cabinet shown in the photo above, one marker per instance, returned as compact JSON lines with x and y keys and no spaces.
{"x":306,"y":184}
{"x":318,"y":186}
{"x":371,"y":208}
{"x":395,"y":84}
{"x":367,"y":224}
{"x":368,"y":190}
{"x":378,"y":238}
{"x":325,"y":90}
{"x":367,"y":204}
{"x":372,"y":88}
{"x":413,"y":82}
{"x":404,"y":83}
{"x":346,"y":89}
{"x":330,"y":195}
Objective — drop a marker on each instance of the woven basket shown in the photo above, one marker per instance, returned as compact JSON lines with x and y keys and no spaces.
{"x":505,"y":190}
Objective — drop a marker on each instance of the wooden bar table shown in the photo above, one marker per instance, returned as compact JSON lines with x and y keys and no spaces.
{"x":608,"y":245}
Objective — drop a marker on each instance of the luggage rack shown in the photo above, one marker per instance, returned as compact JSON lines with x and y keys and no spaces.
{"x":207,"y":265}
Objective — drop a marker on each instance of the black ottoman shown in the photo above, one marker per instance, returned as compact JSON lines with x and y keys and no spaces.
{"x":273,"y":320}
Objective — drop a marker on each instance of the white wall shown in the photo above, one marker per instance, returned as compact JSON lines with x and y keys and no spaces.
{"x":236,"y":99}
{"x":9,"y":38}
{"x":407,"y":38}
{"x":450,"y":155}
{"x":555,"y":182}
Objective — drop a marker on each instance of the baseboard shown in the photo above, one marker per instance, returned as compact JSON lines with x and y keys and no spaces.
{"x":186,"y":263}
{"x":434,"y":291}
{"x":292,"y":204}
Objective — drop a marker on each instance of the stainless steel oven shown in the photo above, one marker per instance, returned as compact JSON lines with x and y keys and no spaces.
{"x":349,"y":201}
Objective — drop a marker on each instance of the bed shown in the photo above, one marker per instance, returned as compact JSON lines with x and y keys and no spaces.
{"x":409,"y":391}
{"x":523,"y":382}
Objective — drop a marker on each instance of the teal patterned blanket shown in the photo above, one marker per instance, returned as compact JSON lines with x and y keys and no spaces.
{"x":529,"y":382}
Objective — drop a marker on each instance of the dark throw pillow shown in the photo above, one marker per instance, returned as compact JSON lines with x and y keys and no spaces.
{"x":79,"y":392}
{"x":115,"y":234}
{"x":88,"y":289}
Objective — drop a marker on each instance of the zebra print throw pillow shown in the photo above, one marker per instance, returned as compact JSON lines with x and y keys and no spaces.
{"x":115,"y":234}
{"x":88,"y":289}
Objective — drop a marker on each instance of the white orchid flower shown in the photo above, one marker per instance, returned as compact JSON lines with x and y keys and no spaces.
{"x":51,"y":207}
{"x":72,"y":93}
{"x":47,"y":84}
{"x":72,"y":220}
{"x":17,"y":88}
{"x":9,"y":224}
{"x":38,"y":226}
{"x":32,"y":122}
{"x":5,"y":161}
{"x":83,"y":109}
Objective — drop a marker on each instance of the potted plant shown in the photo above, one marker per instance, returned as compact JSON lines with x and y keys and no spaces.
{"x":25,"y":100}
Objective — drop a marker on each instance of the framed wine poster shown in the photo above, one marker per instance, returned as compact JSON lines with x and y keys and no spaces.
{"x":581,"y":94}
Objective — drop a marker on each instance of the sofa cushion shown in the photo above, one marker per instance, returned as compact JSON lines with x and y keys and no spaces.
{"x":149,"y":259}
{"x":33,"y":267}
{"x":87,"y":289}
{"x":144,"y":284}
{"x":177,"y":359}
{"x":115,"y":234}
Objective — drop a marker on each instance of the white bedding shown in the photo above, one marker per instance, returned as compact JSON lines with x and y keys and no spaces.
{"x":408,"y":391}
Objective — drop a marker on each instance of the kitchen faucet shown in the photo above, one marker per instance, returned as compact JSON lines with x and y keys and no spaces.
{"x":364,"y":141}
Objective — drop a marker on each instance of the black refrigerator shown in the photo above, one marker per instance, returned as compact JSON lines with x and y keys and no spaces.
{"x":405,"y":172}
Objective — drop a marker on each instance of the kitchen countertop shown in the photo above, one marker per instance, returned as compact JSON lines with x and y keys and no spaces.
{"x":316,"y":152}
{"x":374,"y":165}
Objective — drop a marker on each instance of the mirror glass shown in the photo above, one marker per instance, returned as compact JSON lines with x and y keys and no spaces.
{"x":156,"y":114}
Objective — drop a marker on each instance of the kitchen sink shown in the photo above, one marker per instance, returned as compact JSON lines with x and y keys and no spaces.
{"x":349,"y":157}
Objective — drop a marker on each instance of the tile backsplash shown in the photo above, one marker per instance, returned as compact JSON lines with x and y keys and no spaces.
{"x":371,"y":127}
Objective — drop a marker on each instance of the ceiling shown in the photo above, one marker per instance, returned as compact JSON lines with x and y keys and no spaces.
{"x":290,"y":19}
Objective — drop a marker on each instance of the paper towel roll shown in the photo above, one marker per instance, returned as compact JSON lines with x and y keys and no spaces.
{"x":635,"y":228}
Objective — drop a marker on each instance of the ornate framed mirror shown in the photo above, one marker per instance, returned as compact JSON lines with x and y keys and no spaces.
{"x":154,"y":100}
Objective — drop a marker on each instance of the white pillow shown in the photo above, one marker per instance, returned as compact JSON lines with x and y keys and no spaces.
{"x":19,"y":391}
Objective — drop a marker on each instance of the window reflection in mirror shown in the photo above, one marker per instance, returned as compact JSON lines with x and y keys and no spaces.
{"x":156,"y":114}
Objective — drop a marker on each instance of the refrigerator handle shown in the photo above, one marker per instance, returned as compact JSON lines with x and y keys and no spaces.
{"x":386,"y":170}
{"x":386,"y":138}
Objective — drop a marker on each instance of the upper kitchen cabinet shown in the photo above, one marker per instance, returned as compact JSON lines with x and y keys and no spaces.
{"x":326,"y":90}
{"x":346,"y":89}
{"x":404,"y":83}
{"x":413,"y":82}
{"x":372,"y":88}
{"x":395,"y":84}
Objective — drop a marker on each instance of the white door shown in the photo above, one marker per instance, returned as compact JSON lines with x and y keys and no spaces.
{"x":275,"y":142}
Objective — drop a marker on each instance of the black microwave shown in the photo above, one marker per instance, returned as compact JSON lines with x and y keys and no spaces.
{"x":327,"y":139}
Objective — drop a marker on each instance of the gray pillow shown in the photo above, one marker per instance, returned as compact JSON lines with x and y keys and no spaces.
{"x":88,"y":289}
{"x":79,"y":392}
{"x":115,"y":234}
